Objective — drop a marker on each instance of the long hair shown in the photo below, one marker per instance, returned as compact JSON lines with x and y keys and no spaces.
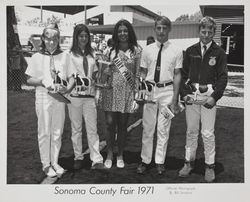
{"x":75,"y":49}
{"x":53,"y":26}
{"x":132,"y":40}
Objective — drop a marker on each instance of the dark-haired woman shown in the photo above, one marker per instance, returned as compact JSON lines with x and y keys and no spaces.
{"x":83,"y":60}
{"x":41,"y":73}
{"x":118,"y":102}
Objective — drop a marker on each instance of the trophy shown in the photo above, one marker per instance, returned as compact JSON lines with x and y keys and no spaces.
{"x":104,"y":75}
{"x":145,"y":93}
{"x":82,"y":87}
{"x":200,"y":92}
{"x":58,"y":83}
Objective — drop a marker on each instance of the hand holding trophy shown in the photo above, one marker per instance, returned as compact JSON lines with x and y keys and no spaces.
{"x":59,"y":88}
{"x":104,"y":75}
{"x":144,"y":93}
{"x":82,"y":87}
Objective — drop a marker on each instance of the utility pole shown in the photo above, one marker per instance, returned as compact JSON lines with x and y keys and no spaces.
{"x":41,"y":8}
{"x":85,"y":15}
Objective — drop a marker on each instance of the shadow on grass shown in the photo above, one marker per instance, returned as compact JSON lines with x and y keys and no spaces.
{"x":128,"y":174}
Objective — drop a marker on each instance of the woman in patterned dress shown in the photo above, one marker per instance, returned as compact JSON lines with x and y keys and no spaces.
{"x":118,"y":101}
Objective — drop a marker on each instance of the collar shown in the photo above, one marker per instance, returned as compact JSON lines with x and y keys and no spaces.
{"x":207,"y":45}
{"x":164,"y":44}
{"x":56,"y":52}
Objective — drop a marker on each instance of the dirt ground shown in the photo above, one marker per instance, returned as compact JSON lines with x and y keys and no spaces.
{"x":24,"y":167}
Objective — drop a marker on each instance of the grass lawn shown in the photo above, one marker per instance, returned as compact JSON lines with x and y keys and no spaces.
{"x":24,"y":167}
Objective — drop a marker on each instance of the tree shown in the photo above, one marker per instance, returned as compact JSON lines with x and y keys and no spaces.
{"x":196,"y":16}
{"x":37,"y":21}
{"x":182,"y":18}
{"x":185,"y":17}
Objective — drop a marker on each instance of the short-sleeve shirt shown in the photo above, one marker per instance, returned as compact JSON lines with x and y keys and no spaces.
{"x":76,"y":63}
{"x":39,"y":67}
{"x":171,"y":59}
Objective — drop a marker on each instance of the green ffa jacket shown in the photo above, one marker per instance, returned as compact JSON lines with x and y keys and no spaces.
{"x":211,"y":69}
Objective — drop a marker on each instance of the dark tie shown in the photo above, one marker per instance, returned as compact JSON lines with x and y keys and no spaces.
{"x":85,"y":65}
{"x":158,"y":66}
{"x":204,"y":50}
{"x":52,"y":67}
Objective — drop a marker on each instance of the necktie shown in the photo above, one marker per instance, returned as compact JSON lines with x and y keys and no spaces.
{"x":158,"y":66}
{"x":85,"y":65}
{"x":204,"y":50}
{"x":52,"y":67}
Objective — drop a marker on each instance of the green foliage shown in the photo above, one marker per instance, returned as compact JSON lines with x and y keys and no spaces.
{"x":186,"y":18}
{"x":37,"y":21}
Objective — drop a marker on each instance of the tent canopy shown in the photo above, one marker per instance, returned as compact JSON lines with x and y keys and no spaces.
{"x":71,"y":10}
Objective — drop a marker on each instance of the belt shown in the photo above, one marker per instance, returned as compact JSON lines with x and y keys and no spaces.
{"x":160,"y":85}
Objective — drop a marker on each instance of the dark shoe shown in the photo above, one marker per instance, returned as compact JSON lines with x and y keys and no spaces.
{"x":209,"y":173}
{"x":98,"y":166}
{"x":77,"y":164}
{"x":160,"y":168}
{"x":187,"y":168}
{"x":141,"y":169}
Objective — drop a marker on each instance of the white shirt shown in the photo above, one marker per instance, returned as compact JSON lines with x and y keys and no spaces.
{"x":207,"y":45}
{"x":76,"y":63}
{"x":171,"y":58}
{"x":39,"y":67}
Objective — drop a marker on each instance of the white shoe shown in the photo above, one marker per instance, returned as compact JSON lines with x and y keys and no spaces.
{"x":59,"y":170}
{"x":50,"y":172}
{"x":120,"y":163}
{"x":108,"y":163}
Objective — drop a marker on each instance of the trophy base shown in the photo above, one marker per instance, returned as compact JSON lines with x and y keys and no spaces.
{"x":58,"y":96}
{"x":103,"y":86}
{"x":82,"y":96}
{"x":141,"y":101}
{"x":192,"y":100}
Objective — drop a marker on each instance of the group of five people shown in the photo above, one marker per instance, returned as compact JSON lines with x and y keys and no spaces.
{"x":161,"y":64}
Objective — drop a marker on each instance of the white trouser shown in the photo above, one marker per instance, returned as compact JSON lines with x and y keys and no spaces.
{"x":51,"y":116}
{"x":163,"y":97}
{"x":194,"y":115}
{"x":84,"y":107}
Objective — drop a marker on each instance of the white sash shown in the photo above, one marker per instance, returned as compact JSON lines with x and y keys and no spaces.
{"x":125,"y":72}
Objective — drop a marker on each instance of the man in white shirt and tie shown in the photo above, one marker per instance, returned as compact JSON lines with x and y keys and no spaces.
{"x":204,"y":74}
{"x":160,"y":66}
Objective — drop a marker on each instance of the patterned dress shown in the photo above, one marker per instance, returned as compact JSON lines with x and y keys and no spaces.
{"x":121,"y":96}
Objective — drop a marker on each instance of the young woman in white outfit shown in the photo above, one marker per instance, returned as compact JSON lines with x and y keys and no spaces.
{"x":50,"y":112}
{"x":82,"y":59}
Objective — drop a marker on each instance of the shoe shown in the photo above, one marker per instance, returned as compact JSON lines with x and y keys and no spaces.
{"x":98,"y":166}
{"x":141,"y":169}
{"x":77,"y":164}
{"x":160,"y":168}
{"x":50,"y":172}
{"x":59,"y":170}
{"x":120,"y":163}
{"x":108,"y":163}
{"x":186,"y":170}
{"x":209,"y":173}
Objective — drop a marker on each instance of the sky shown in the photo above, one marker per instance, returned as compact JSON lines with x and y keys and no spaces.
{"x":171,"y":11}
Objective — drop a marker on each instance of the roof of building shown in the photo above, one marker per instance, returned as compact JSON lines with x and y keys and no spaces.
{"x":222,"y":10}
{"x":65,"y":9}
{"x":79,"y":8}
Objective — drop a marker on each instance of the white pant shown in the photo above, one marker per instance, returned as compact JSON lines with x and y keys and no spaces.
{"x":163,"y":97}
{"x":194,"y":115}
{"x":51,"y":116}
{"x":84,"y":107}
